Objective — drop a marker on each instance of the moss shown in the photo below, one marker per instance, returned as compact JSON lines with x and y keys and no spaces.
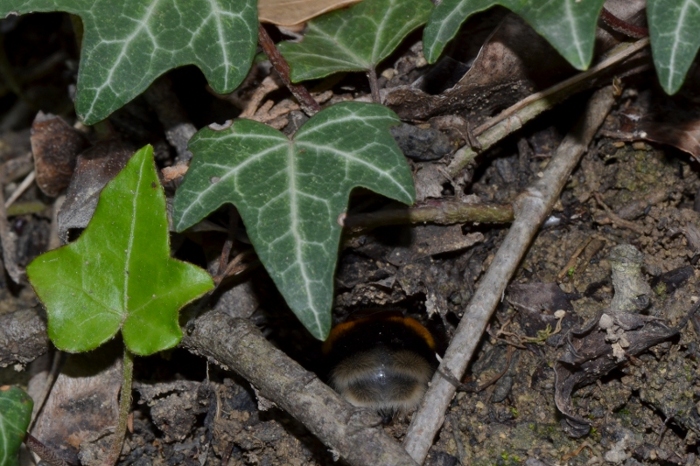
{"x":509,"y":459}
{"x":660,"y":290}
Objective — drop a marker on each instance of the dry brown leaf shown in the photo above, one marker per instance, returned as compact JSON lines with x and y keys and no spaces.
{"x":94,"y":168}
{"x":55,"y":146}
{"x":684,"y":136}
{"x":674,"y":122}
{"x":514,"y":62}
{"x":293,"y":12}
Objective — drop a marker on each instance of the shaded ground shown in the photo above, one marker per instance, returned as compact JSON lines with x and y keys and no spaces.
{"x":646,"y":411}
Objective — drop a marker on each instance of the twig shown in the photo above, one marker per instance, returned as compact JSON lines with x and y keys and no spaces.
{"x":51,"y":376}
{"x":307,"y":102}
{"x":574,"y":453}
{"x":514,"y":117}
{"x":124,"y":407}
{"x":54,"y":238}
{"x":614,"y":219}
{"x":374,"y":85}
{"x":354,"y":434}
{"x":572,"y":260}
{"x":7,"y":237}
{"x":592,"y":248}
{"x":26,"y":183}
{"x":531,"y":208}
{"x":266,"y":86}
{"x":445,"y":213}
{"x":509,"y":357}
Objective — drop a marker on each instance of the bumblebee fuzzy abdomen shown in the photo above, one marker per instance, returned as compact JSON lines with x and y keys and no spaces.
{"x":383,"y":379}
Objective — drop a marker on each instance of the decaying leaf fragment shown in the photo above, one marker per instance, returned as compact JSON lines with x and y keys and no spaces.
{"x":608,"y":340}
{"x":93,"y":170}
{"x":55,"y":146}
{"x":294,"y":12}
{"x":671,"y":121}
{"x":514,"y":62}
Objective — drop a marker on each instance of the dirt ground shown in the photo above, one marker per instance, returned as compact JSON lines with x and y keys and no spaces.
{"x":186,"y":411}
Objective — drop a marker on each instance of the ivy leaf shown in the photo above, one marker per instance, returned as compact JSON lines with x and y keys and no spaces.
{"x":15,"y":414}
{"x":119,"y":273}
{"x":290,"y":192}
{"x":354,"y":39}
{"x":568,"y":25}
{"x":128,"y":44}
{"x":673,"y":27}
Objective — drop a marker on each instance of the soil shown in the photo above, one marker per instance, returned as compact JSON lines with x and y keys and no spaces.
{"x":186,"y":411}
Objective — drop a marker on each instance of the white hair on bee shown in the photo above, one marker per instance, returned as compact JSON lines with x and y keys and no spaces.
{"x":383,"y":362}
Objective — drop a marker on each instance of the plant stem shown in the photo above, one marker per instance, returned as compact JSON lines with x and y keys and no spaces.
{"x":374,"y":85}
{"x":307,"y":102}
{"x":515,"y":117}
{"x":623,"y":27}
{"x":445,"y":213}
{"x":124,"y":407}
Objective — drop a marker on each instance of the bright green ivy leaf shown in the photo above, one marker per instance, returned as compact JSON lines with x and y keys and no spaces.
{"x":569,"y":25}
{"x":353,"y":39}
{"x":119,"y":273}
{"x":127,"y":44}
{"x":15,"y":414}
{"x":290,"y":192}
{"x":674,"y":27}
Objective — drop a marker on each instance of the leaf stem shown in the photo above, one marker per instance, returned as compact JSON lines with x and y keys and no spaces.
{"x":374,"y":85}
{"x":307,"y":102}
{"x":622,"y":26}
{"x":124,"y":407}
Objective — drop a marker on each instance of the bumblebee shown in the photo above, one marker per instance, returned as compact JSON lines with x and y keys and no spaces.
{"x":381,"y":361}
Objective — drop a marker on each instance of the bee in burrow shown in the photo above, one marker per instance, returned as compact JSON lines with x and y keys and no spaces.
{"x":382,"y":361}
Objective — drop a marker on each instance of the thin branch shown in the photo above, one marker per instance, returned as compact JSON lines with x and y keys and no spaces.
{"x":23,"y":186}
{"x":307,"y":102}
{"x":50,"y":380}
{"x":8,"y":238}
{"x":124,"y":407}
{"x":354,"y":434}
{"x":615,"y":220}
{"x":515,"y":117}
{"x":444,"y":213}
{"x":531,"y":208}
{"x":571,"y":265}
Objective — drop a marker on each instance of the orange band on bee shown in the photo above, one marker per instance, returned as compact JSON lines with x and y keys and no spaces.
{"x":343,"y":329}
